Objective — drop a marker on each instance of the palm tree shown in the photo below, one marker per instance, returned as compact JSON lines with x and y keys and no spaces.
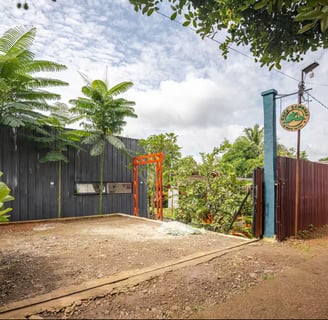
{"x":104,"y":115}
{"x":56,"y":139}
{"x":22,"y":93}
{"x":255,"y":137}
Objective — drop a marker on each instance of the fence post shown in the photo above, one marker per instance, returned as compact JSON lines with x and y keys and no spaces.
{"x":270,"y":155}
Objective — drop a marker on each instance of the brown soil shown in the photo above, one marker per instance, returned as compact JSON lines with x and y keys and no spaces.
{"x":259,"y":280}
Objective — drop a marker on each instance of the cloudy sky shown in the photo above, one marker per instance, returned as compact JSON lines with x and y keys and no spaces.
{"x":182,"y":84}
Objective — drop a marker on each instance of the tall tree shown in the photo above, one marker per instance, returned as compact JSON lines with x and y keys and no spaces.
{"x":22,"y":93}
{"x":242,"y":155}
{"x":104,"y":116}
{"x":274,"y":30}
{"x":255,"y":136}
{"x":57,"y":140}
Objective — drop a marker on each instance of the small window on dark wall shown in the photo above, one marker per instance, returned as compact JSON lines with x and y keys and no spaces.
{"x":109,"y":187}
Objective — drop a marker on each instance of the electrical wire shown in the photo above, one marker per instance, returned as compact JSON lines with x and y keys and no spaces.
{"x":281,"y":96}
{"x":236,"y":50}
{"x":230,"y":48}
{"x":249,"y":57}
{"x":318,"y":101}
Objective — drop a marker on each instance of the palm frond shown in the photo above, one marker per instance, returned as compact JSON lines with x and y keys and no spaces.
{"x":72,"y":119}
{"x":123,"y":102}
{"x":24,"y":105}
{"x":73,"y":135}
{"x":83,"y":106}
{"x":45,"y":82}
{"x":78,"y":133}
{"x":34,"y":66}
{"x":65,"y":142}
{"x":17,"y":39}
{"x":23,"y":56}
{"x":87,"y":91}
{"x":54,"y":156}
{"x":100,"y":86}
{"x":44,"y":140}
{"x":38,"y":95}
{"x":125,"y":111}
{"x":98,"y":148}
{"x":41,"y":130}
{"x":92,"y":138}
{"x":119,"y":88}
{"x":12,"y":121}
{"x":115,"y":142}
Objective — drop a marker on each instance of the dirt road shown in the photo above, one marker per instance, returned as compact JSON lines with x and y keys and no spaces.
{"x":299,"y":292}
{"x":259,"y":280}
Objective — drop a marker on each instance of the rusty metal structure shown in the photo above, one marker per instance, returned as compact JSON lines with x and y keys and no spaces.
{"x":313,"y":196}
{"x":157,"y":159}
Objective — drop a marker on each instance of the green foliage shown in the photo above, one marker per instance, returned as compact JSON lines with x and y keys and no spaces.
{"x":214,"y":191}
{"x":217,"y":186}
{"x":4,"y":197}
{"x":22,"y":94}
{"x":53,"y":137}
{"x":283,"y":151}
{"x":315,"y":13}
{"x":274,"y":30}
{"x":166,"y":143}
{"x":242,"y":155}
{"x":104,"y":116}
{"x":246,"y":153}
{"x":243,"y":225}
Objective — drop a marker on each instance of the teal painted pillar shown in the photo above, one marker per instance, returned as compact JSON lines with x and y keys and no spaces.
{"x":270,"y":155}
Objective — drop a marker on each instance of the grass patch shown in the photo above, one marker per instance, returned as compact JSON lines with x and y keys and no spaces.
{"x":168,"y":213}
{"x":268,"y":276}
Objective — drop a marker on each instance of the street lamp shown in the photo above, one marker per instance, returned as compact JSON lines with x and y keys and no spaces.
{"x":301,"y":88}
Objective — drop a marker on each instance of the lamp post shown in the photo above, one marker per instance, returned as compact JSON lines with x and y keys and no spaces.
{"x":301,"y":88}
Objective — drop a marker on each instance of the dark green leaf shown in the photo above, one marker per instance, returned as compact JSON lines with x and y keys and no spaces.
{"x":173,"y":16}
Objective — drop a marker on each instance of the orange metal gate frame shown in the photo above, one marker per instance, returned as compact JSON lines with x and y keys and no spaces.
{"x":156,"y":158}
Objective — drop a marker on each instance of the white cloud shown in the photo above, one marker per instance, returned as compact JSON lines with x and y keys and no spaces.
{"x":181,"y":83}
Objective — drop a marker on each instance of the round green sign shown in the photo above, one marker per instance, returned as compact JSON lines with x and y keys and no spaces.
{"x":294,"y":117}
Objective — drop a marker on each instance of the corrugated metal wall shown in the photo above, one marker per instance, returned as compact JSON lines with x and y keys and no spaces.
{"x":313,"y":201}
{"x":34,"y":184}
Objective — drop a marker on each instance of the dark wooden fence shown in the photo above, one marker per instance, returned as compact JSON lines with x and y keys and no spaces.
{"x":34,"y":184}
{"x":313,"y":200}
{"x":258,"y":202}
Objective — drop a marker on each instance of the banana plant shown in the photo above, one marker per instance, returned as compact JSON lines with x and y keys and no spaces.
{"x":104,"y":116}
{"x":4,"y":197}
